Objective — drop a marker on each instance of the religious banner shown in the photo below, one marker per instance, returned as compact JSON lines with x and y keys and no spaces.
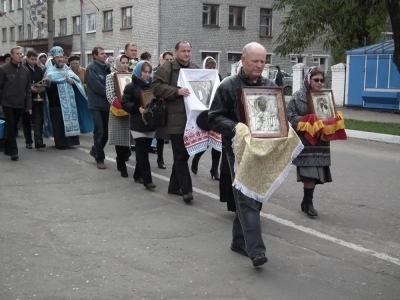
{"x":202,"y":84}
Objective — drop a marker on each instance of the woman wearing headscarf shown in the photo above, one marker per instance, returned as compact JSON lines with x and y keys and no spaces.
{"x":42,"y":59}
{"x":118,"y":122}
{"x":141,"y":132}
{"x":208,"y":63}
{"x":314,"y":161}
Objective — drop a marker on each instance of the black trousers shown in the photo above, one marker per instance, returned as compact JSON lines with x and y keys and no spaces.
{"x":142,"y":169}
{"x":37,"y":119}
{"x":246,"y":230}
{"x":12,"y":117}
{"x":180,"y":176}
{"x":160,"y":151}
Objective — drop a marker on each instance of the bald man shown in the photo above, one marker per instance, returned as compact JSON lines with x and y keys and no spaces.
{"x":223,"y":118}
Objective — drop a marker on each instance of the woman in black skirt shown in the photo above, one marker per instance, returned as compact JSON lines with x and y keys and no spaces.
{"x":314,"y":161}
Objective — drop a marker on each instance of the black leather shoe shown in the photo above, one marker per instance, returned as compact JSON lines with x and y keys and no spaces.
{"x":187,"y":197}
{"x":240,"y":250}
{"x":161,"y":165}
{"x":29,"y":146}
{"x":139,"y":180}
{"x":150,"y":186}
{"x":259,"y":260}
{"x":40,"y":146}
{"x":177,"y":192}
{"x":14,"y":157}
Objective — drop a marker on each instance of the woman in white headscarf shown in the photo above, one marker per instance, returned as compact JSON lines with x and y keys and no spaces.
{"x":118,"y":123}
{"x":42,"y":59}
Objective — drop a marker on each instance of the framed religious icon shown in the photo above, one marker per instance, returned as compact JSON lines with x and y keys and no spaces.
{"x":201,"y":83}
{"x":263,"y":110}
{"x":145,"y":97}
{"x":322,"y":104}
{"x":121,"y":79}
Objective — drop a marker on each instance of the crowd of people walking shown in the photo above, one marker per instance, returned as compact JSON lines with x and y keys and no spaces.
{"x":75,"y":100}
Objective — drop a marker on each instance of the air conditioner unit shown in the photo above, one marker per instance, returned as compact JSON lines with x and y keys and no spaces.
{"x":316,"y":60}
{"x":293,"y":59}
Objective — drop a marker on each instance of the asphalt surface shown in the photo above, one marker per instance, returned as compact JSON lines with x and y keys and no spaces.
{"x":71,"y":231}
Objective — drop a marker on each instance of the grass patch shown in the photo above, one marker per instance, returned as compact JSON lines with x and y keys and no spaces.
{"x":370,"y":126}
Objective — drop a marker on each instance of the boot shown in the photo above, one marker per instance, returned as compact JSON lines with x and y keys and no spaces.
{"x":121,"y":166}
{"x":307,"y":203}
{"x":195,"y":163}
{"x":215,"y":156}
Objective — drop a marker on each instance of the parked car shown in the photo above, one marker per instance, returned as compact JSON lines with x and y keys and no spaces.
{"x":287,"y":82}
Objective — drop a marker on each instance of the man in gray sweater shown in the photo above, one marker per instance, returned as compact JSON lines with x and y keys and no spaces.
{"x":96,"y":73}
{"x":15,"y":95}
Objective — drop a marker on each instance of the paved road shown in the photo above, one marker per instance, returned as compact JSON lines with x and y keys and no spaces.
{"x":70,"y":231}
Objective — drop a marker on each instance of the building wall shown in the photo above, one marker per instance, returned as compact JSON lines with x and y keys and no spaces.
{"x":179,"y":20}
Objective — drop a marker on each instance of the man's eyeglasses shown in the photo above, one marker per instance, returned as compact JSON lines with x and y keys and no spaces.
{"x":319,"y":80}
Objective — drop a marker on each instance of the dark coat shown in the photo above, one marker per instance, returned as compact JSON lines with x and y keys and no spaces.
{"x":36,"y":76}
{"x":318,"y":155}
{"x":165,"y":86}
{"x":96,"y":74}
{"x":131,"y":104}
{"x":15,"y":86}
{"x":224,"y":111}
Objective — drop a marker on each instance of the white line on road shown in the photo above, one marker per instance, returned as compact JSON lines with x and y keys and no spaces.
{"x":382,"y":256}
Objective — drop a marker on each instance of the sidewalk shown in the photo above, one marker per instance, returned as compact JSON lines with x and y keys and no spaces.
{"x":370,"y":115}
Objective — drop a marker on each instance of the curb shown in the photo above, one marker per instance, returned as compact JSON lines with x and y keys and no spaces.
{"x":372,"y":136}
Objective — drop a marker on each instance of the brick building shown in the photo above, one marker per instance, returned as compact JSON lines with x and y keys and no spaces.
{"x":219,"y":28}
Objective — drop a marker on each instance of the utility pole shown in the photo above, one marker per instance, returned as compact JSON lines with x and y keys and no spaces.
{"x":82,"y":23}
{"x":50,"y":25}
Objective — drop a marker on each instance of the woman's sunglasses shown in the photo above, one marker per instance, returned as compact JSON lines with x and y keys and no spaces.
{"x":319,"y":80}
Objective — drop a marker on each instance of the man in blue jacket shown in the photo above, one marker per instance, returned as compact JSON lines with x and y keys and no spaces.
{"x":96,"y":73}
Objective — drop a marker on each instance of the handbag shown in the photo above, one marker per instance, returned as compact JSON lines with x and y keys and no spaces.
{"x":155,"y":113}
{"x":116,"y":109}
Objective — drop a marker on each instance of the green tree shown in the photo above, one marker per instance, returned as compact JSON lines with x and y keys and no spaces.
{"x":338,"y":25}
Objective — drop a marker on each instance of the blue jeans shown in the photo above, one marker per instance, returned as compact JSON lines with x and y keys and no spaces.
{"x":100,"y":133}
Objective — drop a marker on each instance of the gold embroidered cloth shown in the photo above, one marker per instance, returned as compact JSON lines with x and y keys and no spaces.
{"x":261,"y":165}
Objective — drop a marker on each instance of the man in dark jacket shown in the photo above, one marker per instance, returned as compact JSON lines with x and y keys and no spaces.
{"x":96,"y":73}
{"x":15,"y":95}
{"x":164,"y":86}
{"x":37,"y":106}
{"x":223,"y":118}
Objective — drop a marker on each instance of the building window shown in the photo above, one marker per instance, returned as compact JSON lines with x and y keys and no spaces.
{"x":4,"y":35}
{"x":265,"y":22}
{"x":268,"y":59}
{"x":297,"y":59}
{"x":127,"y":17}
{"x":108,"y":20}
{"x":76,"y":25}
{"x":30,"y":31}
{"x":20,"y":33}
{"x":210,"y":14}
{"x":19,"y":4}
{"x":89,"y":58}
{"x":63,"y":26}
{"x":3,"y":7}
{"x":236,"y":16}
{"x":12,"y":34}
{"x":11,"y":5}
{"x":233,"y":58}
{"x":91,"y":23}
{"x":321,"y":62}
{"x":40,"y":30}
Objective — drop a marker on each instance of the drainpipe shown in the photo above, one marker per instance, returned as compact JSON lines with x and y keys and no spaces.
{"x":159,"y":28}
